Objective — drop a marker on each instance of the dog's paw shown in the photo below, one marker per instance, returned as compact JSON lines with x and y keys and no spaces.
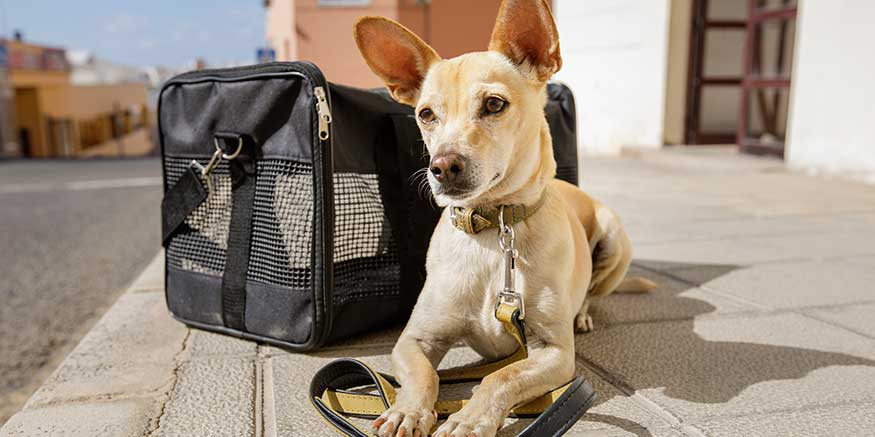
{"x":583,"y":323}
{"x":399,"y":421}
{"x":461,"y":425}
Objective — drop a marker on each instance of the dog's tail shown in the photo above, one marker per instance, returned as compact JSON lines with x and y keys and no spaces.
{"x":635,"y":285}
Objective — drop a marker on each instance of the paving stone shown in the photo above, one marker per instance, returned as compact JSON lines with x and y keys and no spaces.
{"x":749,"y":250}
{"x":799,"y":284}
{"x":291,"y":376}
{"x":207,"y":344}
{"x":671,"y":300}
{"x":823,"y":245}
{"x":120,"y":418}
{"x":214,"y":397}
{"x":846,"y":420}
{"x":686,"y":230}
{"x":735,"y":365}
{"x":614,"y":413}
{"x":130,"y":350}
{"x":737,"y":251}
{"x":383,"y":337}
{"x":630,"y":431}
{"x":152,"y":277}
{"x":857,"y":317}
{"x":701,"y":274}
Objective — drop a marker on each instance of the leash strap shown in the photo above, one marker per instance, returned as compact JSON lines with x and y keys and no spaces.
{"x":330,"y":394}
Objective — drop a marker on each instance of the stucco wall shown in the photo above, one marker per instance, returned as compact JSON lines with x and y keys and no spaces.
{"x":615,"y":59}
{"x":325,"y":37}
{"x":279,"y":25}
{"x":84,"y":102}
{"x":832,"y":121}
{"x":462,"y":26}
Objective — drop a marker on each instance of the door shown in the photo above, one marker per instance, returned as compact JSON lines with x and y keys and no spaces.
{"x":765,"y":88}
{"x":716,"y":57}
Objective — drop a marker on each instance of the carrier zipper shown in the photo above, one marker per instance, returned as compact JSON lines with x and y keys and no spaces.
{"x":323,"y":111}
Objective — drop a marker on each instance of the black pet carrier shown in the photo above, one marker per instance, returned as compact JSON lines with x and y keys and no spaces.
{"x":291,"y":212}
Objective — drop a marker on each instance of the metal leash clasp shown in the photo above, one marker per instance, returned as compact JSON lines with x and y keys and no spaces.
{"x":217,"y":157}
{"x":508,"y":295}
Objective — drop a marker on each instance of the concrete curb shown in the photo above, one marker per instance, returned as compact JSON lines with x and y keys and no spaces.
{"x":116,"y":380}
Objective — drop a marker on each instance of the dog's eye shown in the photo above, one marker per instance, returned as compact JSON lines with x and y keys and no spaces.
{"x":426,"y":115}
{"x":494,"y":105}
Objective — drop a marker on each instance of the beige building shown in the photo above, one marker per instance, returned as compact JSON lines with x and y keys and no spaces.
{"x":321,"y":30}
{"x":49,"y":116}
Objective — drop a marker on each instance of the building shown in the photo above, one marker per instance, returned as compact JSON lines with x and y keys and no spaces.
{"x":48,"y":115}
{"x":786,"y":78}
{"x":321,"y":30}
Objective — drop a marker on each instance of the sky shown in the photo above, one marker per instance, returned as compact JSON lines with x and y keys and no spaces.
{"x":142,"y":33}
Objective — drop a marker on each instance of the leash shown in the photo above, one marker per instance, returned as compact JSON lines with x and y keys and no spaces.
{"x":554,"y":412}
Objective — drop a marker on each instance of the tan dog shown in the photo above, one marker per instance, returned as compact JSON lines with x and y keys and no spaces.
{"x":482,"y":119}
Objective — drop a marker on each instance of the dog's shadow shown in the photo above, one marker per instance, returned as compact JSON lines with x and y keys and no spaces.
{"x":645,"y":342}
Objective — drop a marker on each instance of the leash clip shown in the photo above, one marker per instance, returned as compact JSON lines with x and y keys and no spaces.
{"x":509,"y":296}
{"x":214,"y":161}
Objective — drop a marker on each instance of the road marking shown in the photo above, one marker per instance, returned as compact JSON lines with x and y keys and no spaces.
{"x":99,"y":184}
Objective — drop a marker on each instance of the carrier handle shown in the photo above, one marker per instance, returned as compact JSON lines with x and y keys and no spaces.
{"x":242,"y":165}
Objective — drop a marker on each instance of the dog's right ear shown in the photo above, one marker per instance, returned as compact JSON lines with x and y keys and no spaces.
{"x":396,"y":55}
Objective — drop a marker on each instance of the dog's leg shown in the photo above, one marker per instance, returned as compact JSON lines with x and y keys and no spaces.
{"x":583,"y":321}
{"x":612,"y":256}
{"x":545,"y":369}
{"x":413,"y":413}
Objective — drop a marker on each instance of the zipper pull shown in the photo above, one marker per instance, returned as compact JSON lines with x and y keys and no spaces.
{"x":323,"y":111}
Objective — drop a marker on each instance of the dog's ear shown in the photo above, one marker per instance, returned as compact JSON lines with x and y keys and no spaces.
{"x":526,"y":33}
{"x":396,"y":55}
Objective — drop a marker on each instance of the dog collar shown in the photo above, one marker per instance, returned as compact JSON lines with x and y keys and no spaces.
{"x":474,"y":220}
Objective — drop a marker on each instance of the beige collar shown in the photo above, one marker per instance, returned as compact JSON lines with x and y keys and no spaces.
{"x":474,"y":220}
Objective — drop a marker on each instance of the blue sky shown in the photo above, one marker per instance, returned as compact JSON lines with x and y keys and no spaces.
{"x":145,"y":32}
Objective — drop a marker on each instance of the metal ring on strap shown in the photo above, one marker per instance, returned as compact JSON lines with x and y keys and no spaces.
{"x":233,"y":155}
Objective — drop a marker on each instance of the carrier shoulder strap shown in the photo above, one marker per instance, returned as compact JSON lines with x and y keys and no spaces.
{"x":554,"y":412}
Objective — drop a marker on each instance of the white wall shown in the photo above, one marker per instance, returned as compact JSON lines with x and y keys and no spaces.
{"x":615,"y":59}
{"x":832,"y":110}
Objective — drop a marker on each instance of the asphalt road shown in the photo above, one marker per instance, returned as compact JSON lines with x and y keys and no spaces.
{"x":73,"y":234}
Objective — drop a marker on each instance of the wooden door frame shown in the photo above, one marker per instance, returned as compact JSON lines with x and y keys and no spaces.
{"x":754,"y":81}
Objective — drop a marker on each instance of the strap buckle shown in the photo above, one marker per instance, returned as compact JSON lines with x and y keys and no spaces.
{"x":512,"y":299}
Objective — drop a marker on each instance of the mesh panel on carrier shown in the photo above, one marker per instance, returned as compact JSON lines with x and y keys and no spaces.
{"x":365,"y":254}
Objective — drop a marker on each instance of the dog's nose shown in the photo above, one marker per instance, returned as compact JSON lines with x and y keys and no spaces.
{"x":447,"y":167}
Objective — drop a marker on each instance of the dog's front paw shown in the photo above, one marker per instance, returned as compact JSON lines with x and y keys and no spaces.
{"x":401,"y":421}
{"x":462,"y":424}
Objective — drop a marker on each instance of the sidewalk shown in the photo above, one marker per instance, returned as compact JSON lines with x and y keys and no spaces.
{"x":762,"y":324}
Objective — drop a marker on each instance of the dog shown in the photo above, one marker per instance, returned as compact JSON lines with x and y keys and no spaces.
{"x":482,"y":120}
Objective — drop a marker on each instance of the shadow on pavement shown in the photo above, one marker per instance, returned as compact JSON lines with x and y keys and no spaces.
{"x":650,"y":342}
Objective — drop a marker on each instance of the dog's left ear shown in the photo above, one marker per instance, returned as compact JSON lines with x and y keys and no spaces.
{"x":526,"y":33}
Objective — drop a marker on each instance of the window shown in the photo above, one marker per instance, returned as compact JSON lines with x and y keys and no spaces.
{"x":342,"y":3}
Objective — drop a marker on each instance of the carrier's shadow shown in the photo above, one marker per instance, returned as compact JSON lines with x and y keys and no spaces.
{"x":650,"y":342}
